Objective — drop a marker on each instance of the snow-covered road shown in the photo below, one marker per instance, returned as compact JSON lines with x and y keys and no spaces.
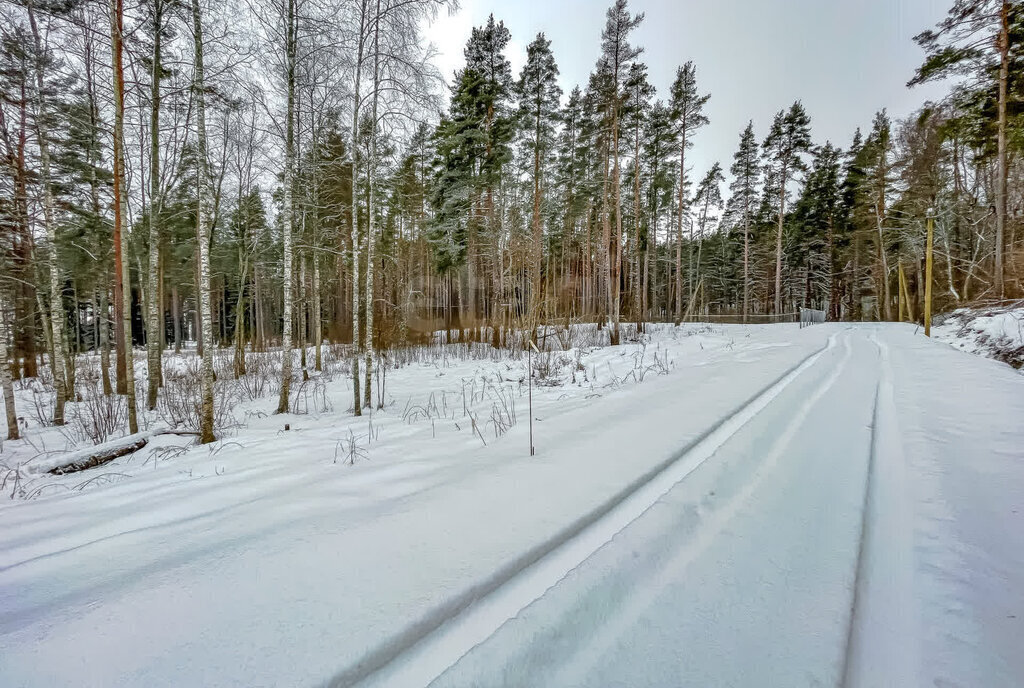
{"x":831,"y":506}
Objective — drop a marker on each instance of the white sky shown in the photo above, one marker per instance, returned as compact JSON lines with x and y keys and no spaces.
{"x":844,"y":58}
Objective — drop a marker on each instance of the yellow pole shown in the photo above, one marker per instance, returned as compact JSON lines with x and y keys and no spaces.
{"x":928,"y":274}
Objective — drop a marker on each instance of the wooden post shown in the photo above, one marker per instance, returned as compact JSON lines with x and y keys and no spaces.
{"x":928,"y":274}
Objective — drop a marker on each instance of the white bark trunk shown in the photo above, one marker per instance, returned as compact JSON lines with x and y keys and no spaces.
{"x":203,"y":235}
{"x":286,"y":224}
{"x":57,"y":362}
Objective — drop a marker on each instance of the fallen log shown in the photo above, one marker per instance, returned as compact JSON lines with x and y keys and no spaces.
{"x":90,"y":457}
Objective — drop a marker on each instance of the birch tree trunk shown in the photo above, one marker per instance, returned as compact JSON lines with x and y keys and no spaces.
{"x":371,"y":169}
{"x":6,"y":384}
{"x":154,"y":320}
{"x":203,"y":234}
{"x":356,"y":404}
{"x":243,"y":261}
{"x":286,"y":223}
{"x":57,"y":359}
{"x":318,"y":327}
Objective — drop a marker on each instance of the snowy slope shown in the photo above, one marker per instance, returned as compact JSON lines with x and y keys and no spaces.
{"x":996,"y":332}
{"x":268,"y":560}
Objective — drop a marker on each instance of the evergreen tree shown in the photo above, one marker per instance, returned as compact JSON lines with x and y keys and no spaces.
{"x":976,"y":40}
{"x":539,"y":95}
{"x":788,"y":139}
{"x":616,"y":54}
{"x":687,"y":107}
{"x":746,"y":174}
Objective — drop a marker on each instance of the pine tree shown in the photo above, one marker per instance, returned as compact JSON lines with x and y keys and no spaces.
{"x":789,"y":138}
{"x":746,"y":173}
{"x":636,"y":107}
{"x":616,"y":54}
{"x":539,"y":95}
{"x":878,"y":180}
{"x":687,"y":107}
{"x":816,"y":214}
{"x":976,"y":39}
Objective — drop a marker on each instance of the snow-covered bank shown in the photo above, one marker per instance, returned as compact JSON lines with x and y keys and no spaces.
{"x":994,"y":332}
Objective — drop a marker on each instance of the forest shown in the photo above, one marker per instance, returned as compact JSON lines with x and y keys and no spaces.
{"x":297,"y":177}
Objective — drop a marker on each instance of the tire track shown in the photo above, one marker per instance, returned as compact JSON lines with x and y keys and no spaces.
{"x":435,"y":642}
{"x":881,"y":645}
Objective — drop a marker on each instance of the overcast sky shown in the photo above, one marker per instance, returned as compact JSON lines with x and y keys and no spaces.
{"x":845,"y":59}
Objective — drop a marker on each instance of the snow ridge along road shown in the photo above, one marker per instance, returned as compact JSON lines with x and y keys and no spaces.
{"x":423,"y":659}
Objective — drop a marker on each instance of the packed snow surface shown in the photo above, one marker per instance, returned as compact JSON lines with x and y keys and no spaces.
{"x":742,"y":506}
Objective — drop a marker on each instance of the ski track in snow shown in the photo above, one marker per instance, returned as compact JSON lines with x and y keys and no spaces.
{"x":439,"y":650}
{"x":834,"y":506}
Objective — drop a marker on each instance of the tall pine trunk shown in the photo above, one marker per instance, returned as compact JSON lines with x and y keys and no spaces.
{"x":122,"y":271}
{"x":778,"y":240}
{"x":679,"y":226}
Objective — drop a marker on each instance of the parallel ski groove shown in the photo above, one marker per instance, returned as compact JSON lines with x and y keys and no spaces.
{"x":436,"y":641}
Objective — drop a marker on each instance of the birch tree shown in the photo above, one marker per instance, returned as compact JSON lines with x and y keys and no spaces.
{"x":203,"y":231}
{"x":154,"y":318}
{"x":6,"y":384}
{"x":58,"y":362}
{"x":287,"y":209}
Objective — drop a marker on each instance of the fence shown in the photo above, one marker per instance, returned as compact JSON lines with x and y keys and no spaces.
{"x":811,"y":316}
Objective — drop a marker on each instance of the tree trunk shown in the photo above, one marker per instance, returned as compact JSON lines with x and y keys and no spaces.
{"x":679,"y":228}
{"x":103,"y":324}
{"x":318,"y":328}
{"x":57,"y":361}
{"x":154,"y":320}
{"x":1001,"y":154}
{"x":778,"y":241}
{"x":288,"y":210}
{"x":6,"y":384}
{"x":203,"y":231}
{"x":357,"y":407}
{"x":122,"y":272}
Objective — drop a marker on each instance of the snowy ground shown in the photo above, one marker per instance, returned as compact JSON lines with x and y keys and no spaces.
{"x":706,"y":509}
{"x":995,"y":332}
